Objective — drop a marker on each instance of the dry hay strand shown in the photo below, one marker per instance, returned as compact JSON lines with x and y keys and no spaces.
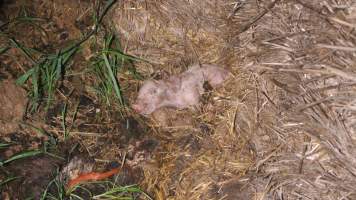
{"x":285,"y":120}
{"x":305,"y":66}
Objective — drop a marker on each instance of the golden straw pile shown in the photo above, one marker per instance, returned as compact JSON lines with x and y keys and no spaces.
{"x":283,"y":127}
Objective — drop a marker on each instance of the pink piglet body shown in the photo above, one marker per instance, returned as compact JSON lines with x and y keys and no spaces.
{"x":178,"y":91}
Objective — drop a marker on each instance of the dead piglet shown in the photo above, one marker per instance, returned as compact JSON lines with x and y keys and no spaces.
{"x":179,"y":91}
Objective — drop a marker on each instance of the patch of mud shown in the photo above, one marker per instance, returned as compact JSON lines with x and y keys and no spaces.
{"x":13,"y":101}
{"x":34,"y":175}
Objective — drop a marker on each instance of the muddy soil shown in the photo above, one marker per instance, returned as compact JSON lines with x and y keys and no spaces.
{"x":99,"y":135}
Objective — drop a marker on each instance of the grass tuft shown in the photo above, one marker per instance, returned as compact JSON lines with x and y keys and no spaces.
{"x":50,"y":68}
{"x":56,"y":190}
{"x":107,"y":63}
{"x":45,"y":75}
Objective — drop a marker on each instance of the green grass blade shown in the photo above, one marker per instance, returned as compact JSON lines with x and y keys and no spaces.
{"x":57,"y":64}
{"x":105,"y":10}
{"x":4,"y":49}
{"x":122,"y":55}
{"x":121,"y":192}
{"x":23,"y":50}
{"x":23,"y":78}
{"x":21,"y":155}
{"x":9,"y":180}
{"x":67,"y":55}
{"x":108,"y":41}
{"x":44,"y":194}
{"x":29,"y":19}
{"x":113,"y":79}
{"x":64,"y":126}
{"x":50,"y":80}
{"x":76,"y":196}
{"x":3,"y":145}
{"x":35,"y":87}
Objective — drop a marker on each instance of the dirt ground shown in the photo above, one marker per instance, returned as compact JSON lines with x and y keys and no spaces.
{"x":282,"y":126}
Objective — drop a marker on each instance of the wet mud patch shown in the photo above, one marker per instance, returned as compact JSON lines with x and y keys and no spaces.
{"x":33,"y":176}
{"x":76,"y":125}
{"x":13,"y":101}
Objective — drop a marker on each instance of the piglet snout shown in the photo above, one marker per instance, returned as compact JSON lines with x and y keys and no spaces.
{"x":137,"y":107}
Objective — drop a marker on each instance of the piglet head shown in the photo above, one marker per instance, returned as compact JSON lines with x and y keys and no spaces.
{"x":215,"y":75}
{"x":150,"y":97}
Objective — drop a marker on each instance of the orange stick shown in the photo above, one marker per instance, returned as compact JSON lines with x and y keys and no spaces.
{"x":92,"y":176}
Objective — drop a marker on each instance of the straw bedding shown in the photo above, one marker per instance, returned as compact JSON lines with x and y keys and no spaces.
{"x":283,"y":127}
